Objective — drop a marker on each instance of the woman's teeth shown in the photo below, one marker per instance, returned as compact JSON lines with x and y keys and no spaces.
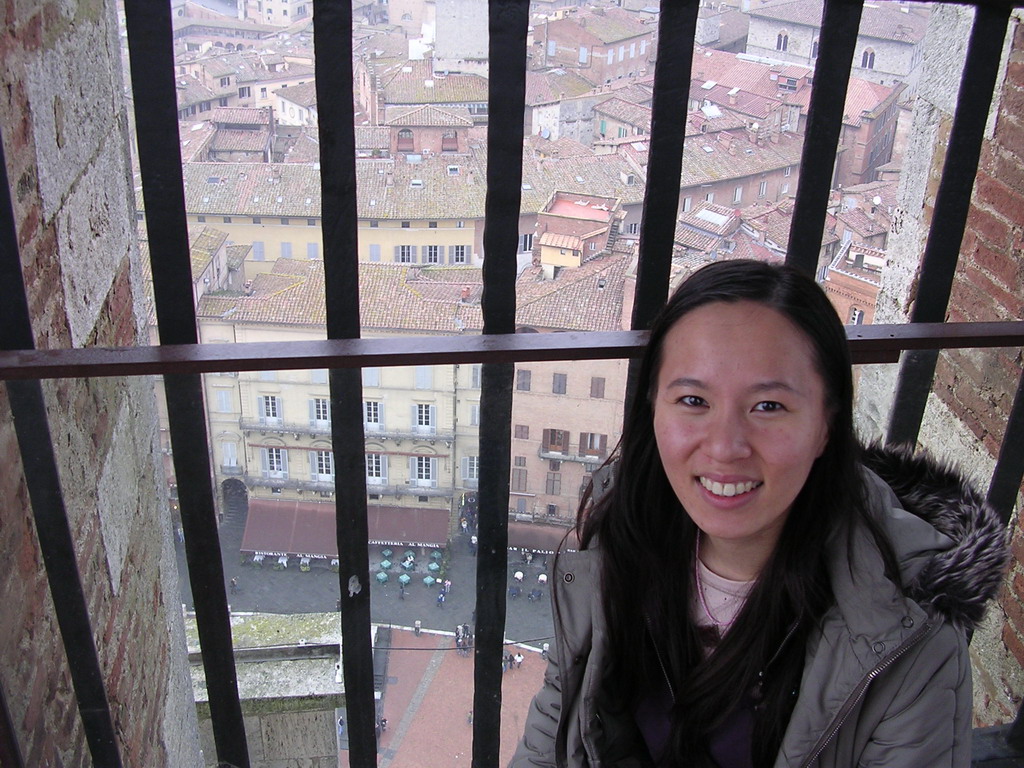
{"x":728,"y":489}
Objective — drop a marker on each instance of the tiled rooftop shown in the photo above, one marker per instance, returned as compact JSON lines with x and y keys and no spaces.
{"x":239,"y":141}
{"x":408,"y":84}
{"x":302,"y":95}
{"x":611,"y":25}
{"x":626,"y":112}
{"x":554,"y":85}
{"x":427,"y":115}
{"x":203,"y":247}
{"x":240,"y":116}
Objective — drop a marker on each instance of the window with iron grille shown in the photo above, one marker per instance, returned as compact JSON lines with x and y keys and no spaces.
{"x":282,"y":460}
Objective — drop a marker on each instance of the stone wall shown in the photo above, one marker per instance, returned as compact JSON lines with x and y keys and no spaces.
{"x":973,"y":390}
{"x":65,"y":138}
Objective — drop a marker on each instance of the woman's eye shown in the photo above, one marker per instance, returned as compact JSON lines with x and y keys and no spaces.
{"x":691,"y":400}
{"x":768,"y":406}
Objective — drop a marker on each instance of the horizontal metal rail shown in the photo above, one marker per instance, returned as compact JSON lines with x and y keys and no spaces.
{"x":868,"y":344}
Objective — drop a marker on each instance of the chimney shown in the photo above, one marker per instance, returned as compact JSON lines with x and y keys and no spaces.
{"x":464,"y":298}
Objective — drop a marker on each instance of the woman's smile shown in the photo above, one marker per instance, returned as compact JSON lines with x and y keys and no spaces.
{"x":739,"y":418}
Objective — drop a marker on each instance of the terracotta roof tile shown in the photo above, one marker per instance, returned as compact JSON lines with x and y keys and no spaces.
{"x":303,"y":95}
{"x":241,"y":115}
{"x":239,"y":141}
{"x":427,"y":115}
{"x":408,"y":84}
{"x":626,"y":112}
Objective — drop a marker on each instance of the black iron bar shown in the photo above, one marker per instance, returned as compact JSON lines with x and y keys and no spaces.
{"x":332,"y":36}
{"x":677,"y":25}
{"x":840,"y":24}
{"x":508,"y":21}
{"x":151,"y":57}
{"x":53,"y":530}
{"x":868,"y":344}
{"x":952,"y":204}
{"x":1009,"y":470}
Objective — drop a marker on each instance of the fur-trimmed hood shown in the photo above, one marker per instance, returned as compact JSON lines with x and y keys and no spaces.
{"x":959,"y":581}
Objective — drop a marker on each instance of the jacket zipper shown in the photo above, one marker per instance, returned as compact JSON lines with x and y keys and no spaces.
{"x":860,"y":690}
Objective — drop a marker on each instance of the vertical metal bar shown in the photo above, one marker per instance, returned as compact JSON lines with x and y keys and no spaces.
{"x":10,"y":752}
{"x":677,"y":27}
{"x":1009,"y":471}
{"x":332,"y":35}
{"x":152,"y":64}
{"x":952,"y":204}
{"x":52,"y":528}
{"x":840,"y":24}
{"x":508,"y":21}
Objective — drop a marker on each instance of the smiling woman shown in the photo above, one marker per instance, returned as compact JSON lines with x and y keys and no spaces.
{"x":739,"y":419}
{"x":821,"y":620}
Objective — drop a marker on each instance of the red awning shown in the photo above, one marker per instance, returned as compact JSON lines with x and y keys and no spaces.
{"x":306,"y":528}
{"x":538,"y":537}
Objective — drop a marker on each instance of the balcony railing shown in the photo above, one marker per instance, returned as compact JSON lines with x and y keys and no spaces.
{"x":180,"y":359}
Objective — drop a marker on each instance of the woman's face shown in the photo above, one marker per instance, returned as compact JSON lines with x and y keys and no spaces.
{"x":739,"y":419}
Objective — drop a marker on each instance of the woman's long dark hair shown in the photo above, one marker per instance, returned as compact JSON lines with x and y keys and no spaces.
{"x":648,"y":540}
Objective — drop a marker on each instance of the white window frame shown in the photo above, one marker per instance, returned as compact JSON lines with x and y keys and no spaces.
{"x":424,"y":421}
{"x":321,"y":466}
{"x":423,"y":471}
{"x":373,"y":415}
{"x":424,"y":377}
{"x":320,"y":412}
{"x":275,"y":462}
{"x":376,"y":469}
{"x":470,"y":471}
{"x":224,"y":401}
{"x":270,"y":409}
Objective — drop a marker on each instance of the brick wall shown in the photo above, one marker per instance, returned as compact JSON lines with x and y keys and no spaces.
{"x":966,"y":414}
{"x":64,"y":129}
{"x":979,"y":386}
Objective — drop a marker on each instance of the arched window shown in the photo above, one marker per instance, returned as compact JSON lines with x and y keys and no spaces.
{"x":782,"y":41}
{"x":405,"y":143}
{"x":867,"y":61}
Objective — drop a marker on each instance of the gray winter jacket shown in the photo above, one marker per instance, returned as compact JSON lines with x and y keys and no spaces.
{"x":886,"y":681}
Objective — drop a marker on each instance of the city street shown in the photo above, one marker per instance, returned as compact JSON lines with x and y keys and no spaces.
{"x":317,"y":590}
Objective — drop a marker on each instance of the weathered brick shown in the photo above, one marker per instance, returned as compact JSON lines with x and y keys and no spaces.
{"x":1009,"y":134}
{"x":1012,"y":641}
{"x":989,"y":227}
